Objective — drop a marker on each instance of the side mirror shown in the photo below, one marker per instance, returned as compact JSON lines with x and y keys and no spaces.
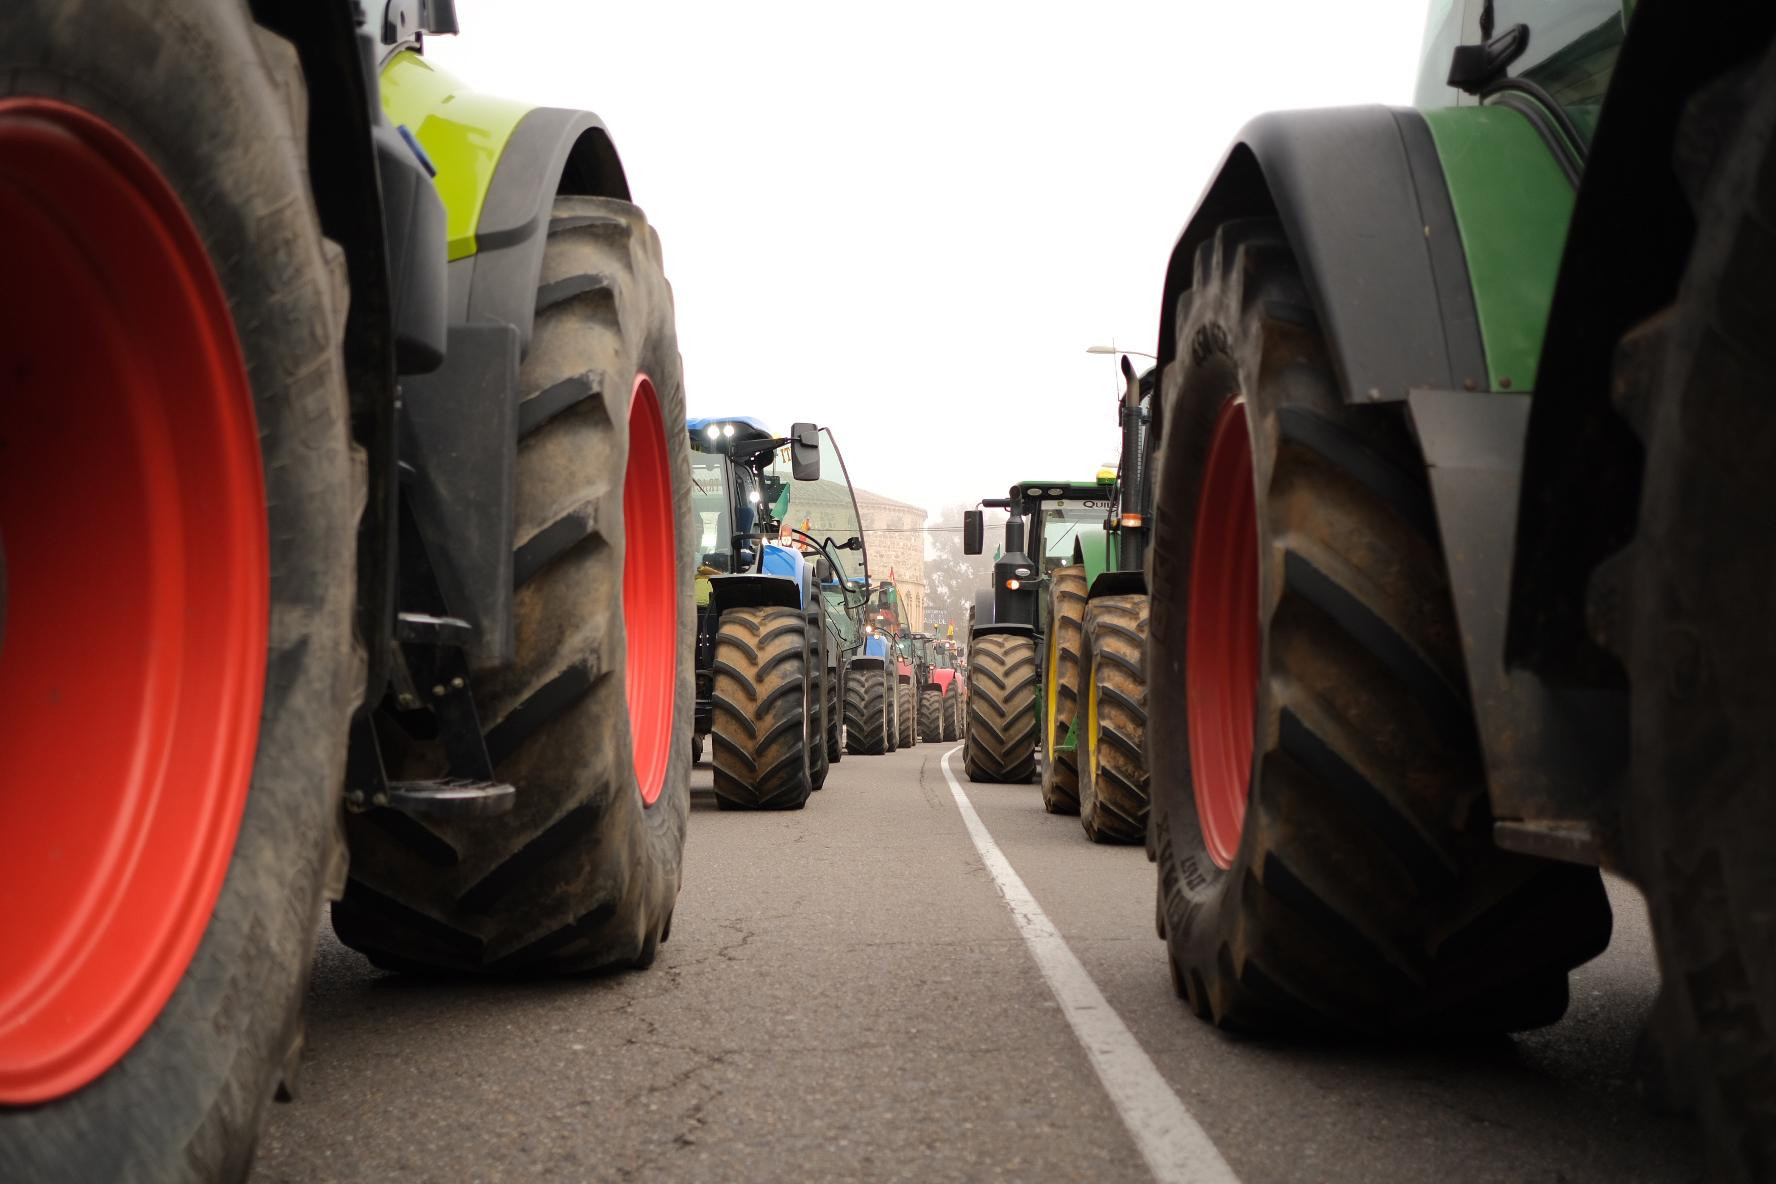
{"x":974,"y":531}
{"x":804,"y":451}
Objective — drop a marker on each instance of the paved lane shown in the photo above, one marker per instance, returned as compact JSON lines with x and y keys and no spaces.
{"x":845,"y":996}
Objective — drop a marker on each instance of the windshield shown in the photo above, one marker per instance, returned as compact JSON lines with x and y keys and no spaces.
{"x":709,"y":499}
{"x":825,"y":508}
{"x":1060,"y":528}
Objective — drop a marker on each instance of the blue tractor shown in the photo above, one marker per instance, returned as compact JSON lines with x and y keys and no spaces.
{"x":781,"y":584}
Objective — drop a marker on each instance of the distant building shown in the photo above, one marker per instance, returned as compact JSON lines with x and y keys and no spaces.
{"x":894,"y":532}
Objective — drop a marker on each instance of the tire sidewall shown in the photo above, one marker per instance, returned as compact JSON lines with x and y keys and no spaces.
{"x":208,"y":1064}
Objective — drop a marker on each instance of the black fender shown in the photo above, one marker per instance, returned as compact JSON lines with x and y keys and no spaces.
{"x":1362,"y":199}
{"x":552,"y":151}
{"x":1117,"y":583}
{"x":753,"y":591}
{"x":1004,"y":627}
{"x":460,"y":425}
{"x":867,"y":662}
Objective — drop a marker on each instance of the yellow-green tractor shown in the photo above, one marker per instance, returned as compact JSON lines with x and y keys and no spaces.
{"x":344,"y":511}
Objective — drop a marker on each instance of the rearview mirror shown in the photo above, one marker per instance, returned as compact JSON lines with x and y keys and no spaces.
{"x":804,"y":451}
{"x":974,"y":531}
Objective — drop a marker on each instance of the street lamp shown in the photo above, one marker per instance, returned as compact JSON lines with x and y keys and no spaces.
{"x":1116,"y":349}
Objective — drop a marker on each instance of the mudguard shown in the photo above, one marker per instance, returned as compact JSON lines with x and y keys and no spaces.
{"x":785,"y":563}
{"x":1361,"y":196}
{"x":753,"y":591}
{"x":1117,"y":583}
{"x":1092,"y":547}
{"x":498,"y":166}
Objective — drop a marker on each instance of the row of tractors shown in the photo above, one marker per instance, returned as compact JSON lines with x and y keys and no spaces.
{"x":1435,"y":573}
{"x":800,"y":656}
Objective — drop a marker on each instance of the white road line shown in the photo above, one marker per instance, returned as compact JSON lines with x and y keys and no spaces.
{"x":1175,"y":1147}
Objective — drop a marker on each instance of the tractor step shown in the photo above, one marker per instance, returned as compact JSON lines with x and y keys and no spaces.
{"x":449,"y":797}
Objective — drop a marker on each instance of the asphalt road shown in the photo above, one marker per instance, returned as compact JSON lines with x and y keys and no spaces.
{"x":846,"y":996}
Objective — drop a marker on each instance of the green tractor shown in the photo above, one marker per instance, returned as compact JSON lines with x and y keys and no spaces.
{"x":780,"y":595}
{"x":1098,"y":650}
{"x":1022,"y":644}
{"x":1463,"y":546}
{"x":345,"y":521}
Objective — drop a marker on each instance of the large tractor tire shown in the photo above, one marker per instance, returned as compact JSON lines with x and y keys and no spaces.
{"x":1697,"y":638}
{"x":174,"y":412}
{"x":764,"y":729}
{"x":931,"y":705}
{"x":1113,"y":727}
{"x":1305,"y":645}
{"x":1001,"y":734}
{"x":1061,"y":688}
{"x":891,"y":703}
{"x":866,"y":711}
{"x":906,"y":713}
{"x":818,"y":697}
{"x":952,"y":714}
{"x":835,"y":716}
{"x":592,"y":720}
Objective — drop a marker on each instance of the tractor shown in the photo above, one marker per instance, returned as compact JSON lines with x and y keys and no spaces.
{"x":361,"y":380}
{"x":1096,"y":676}
{"x":887,"y":650}
{"x":940,"y":691}
{"x":1022,"y":649}
{"x":779,"y":607}
{"x":1462,"y":525}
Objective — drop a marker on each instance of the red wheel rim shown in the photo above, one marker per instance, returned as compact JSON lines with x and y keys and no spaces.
{"x":650,"y":591}
{"x":136,"y":601}
{"x":1221,"y":668}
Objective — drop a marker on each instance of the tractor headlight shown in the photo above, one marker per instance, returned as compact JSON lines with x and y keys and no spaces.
{"x":728,"y":430}
{"x":1013,"y":584}
{"x":713,"y":431}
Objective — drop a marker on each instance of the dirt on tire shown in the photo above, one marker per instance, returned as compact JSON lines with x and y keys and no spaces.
{"x":1001,"y":743}
{"x":762,"y":738}
{"x":581,"y":873}
{"x":1365,"y":893}
{"x":1113,"y":789}
{"x":1061,"y":688}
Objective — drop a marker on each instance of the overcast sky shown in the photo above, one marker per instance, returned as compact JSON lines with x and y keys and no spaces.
{"x":908,"y":221}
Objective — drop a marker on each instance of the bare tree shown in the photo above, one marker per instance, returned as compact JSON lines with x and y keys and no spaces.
{"x":951,"y":578}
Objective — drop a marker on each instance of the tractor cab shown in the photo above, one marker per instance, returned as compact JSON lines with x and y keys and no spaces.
{"x":1049,"y":524}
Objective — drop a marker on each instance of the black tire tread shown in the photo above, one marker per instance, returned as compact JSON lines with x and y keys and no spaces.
{"x":1113,"y":790}
{"x":1366,"y":895}
{"x":526,"y":897}
{"x":906,"y":713}
{"x":931,"y":714}
{"x":866,"y":712}
{"x":1002,"y":708}
{"x":1066,"y":646}
{"x":759,"y":721}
